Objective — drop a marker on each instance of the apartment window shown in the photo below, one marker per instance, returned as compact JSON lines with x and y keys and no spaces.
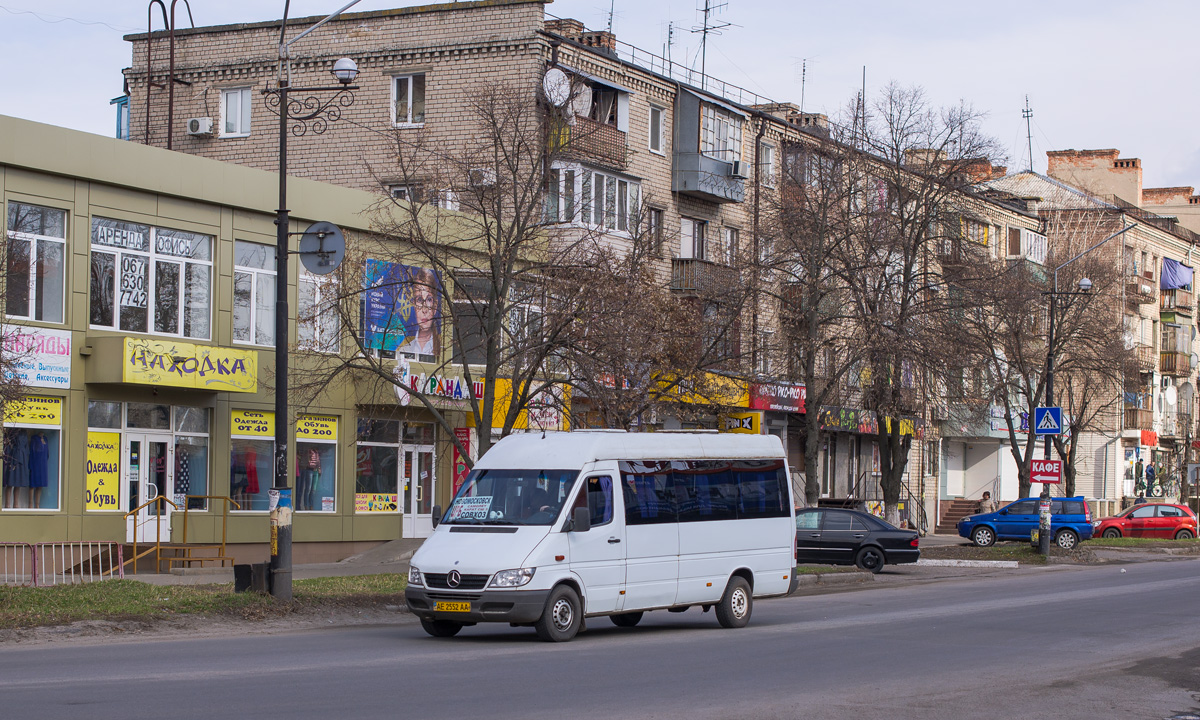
{"x":766,"y":342}
{"x":656,"y":129}
{"x":691,"y":238}
{"x":730,"y":251}
{"x":605,"y":202}
{"x":417,"y":193}
{"x":317,"y":316}
{"x":36,"y":263}
{"x":136,"y":268}
{"x":654,"y":230}
{"x":766,"y":164}
{"x":721,"y":134}
{"x":235,"y":112}
{"x":253,"y":293}
{"x":470,"y":308}
{"x":408,"y":99}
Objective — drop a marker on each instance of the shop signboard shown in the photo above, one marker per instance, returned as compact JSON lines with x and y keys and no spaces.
{"x":745,"y":423}
{"x":102,"y":471}
{"x":185,"y":365}
{"x":706,"y":389}
{"x":316,"y":427}
{"x":778,"y":397}
{"x":39,"y":357}
{"x":34,"y":411}
{"x":253,"y":423}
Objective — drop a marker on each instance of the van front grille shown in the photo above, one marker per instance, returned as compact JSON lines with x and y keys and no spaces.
{"x":468,"y":582}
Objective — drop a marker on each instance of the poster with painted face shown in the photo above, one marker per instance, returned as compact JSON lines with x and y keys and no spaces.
{"x":403,"y":310}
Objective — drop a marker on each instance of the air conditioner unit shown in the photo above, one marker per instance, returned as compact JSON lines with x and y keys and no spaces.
{"x":481,"y":177}
{"x":200,"y":126}
{"x":739,"y":169}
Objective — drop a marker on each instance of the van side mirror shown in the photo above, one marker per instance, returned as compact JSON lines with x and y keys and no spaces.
{"x":437,"y":515}
{"x":581,"y":520}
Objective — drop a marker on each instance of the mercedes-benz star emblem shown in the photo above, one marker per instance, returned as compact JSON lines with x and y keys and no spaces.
{"x":453,"y":578}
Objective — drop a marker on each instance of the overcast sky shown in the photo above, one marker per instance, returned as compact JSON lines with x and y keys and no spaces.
{"x":1098,"y":73}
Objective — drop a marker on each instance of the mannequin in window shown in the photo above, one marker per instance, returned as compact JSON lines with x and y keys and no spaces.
{"x":16,"y":467}
{"x":310,"y":477}
{"x":39,"y":459}
{"x":237,"y":478}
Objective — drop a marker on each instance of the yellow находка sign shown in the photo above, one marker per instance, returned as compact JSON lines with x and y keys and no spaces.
{"x":180,"y":364}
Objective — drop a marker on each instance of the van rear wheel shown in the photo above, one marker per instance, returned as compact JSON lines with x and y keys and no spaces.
{"x":562,"y":616}
{"x":736,"y":604}
{"x":626,"y":619}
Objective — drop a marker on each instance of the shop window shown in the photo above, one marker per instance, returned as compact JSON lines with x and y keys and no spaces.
{"x":191,"y":458}
{"x":145,"y":416}
{"x":36,"y":263}
{"x":103,"y":414}
{"x":377,"y":466}
{"x":32,"y":448}
{"x":408,"y":99}
{"x":316,"y":464}
{"x":253,"y":293}
{"x":138,"y":267}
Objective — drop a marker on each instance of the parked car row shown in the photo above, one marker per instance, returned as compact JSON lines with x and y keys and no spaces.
{"x":1071,"y":521}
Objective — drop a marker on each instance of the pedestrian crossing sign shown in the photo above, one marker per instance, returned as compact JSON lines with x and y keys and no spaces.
{"x":1047,"y":421}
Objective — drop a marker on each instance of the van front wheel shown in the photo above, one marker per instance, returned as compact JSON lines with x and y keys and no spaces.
{"x":734,"y":609}
{"x":626,"y":619}
{"x":441,"y":628}
{"x":562,"y":617}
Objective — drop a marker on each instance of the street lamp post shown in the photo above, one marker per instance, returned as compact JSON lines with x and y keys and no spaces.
{"x":1085,"y":287}
{"x":305,"y":113}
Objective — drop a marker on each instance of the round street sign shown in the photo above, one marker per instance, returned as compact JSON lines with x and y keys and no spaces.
{"x":322,"y":248}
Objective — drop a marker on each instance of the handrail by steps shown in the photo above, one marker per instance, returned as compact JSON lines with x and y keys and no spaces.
{"x":157,"y":549}
{"x":224,"y":515}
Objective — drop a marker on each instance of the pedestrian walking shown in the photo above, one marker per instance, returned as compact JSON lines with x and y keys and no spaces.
{"x":986,"y":503}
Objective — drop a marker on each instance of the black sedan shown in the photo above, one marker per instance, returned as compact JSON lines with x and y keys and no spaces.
{"x":833,"y":536}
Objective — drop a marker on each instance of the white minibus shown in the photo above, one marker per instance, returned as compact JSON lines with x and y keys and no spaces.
{"x":551,"y":528}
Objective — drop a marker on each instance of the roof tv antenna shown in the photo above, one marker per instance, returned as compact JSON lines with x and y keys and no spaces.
{"x":705,"y":29}
{"x":1027,"y":113}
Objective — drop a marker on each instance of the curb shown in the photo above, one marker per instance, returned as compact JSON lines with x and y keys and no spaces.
{"x":847,"y":578}
{"x":1010,"y":564}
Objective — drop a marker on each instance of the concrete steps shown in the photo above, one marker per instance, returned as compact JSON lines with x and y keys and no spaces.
{"x":959,"y":508}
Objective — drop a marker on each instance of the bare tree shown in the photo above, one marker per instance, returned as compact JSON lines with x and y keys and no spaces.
{"x":812,"y":253}
{"x":915,"y":163}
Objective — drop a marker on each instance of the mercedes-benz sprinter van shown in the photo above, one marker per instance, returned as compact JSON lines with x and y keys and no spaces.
{"x":551,"y":528}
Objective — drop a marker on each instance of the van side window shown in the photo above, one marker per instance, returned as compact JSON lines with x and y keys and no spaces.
{"x":599,"y":498}
{"x":761,"y":489}
{"x":704,"y":490}
{"x":646,"y":487}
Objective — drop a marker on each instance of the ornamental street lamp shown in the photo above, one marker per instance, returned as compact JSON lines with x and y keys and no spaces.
{"x":1085,"y":287}
{"x":306,"y":112}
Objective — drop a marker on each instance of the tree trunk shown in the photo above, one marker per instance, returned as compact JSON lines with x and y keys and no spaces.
{"x":812,"y":457}
{"x":893,"y":452}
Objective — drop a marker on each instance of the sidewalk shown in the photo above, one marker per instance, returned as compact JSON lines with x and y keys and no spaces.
{"x":391,"y":557}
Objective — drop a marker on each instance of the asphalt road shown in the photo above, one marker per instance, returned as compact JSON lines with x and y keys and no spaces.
{"x":1059,"y":642}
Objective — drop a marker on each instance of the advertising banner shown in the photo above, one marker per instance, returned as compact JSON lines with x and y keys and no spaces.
{"x":102,"y":471}
{"x":463,"y":435}
{"x":40,"y":357}
{"x":403,"y":308}
{"x":747,"y":423}
{"x":180,"y":364}
{"x":375,"y":502}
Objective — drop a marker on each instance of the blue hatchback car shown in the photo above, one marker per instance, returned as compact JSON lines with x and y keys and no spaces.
{"x":1070,"y":522}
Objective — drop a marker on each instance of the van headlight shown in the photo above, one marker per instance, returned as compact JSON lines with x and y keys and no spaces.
{"x":512,"y":578}
{"x":414,"y":577}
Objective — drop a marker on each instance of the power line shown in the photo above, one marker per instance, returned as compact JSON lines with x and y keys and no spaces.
{"x":55,"y":19}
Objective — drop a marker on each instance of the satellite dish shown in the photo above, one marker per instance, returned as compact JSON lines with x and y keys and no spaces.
{"x":1171,"y":395}
{"x":322,"y":248}
{"x":557,"y":86}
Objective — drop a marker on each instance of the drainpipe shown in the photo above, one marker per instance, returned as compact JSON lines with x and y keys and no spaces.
{"x":762,"y":130}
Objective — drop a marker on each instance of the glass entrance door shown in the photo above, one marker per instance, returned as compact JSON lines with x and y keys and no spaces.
{"x":146,"y":462}
{"x":418,"y":491}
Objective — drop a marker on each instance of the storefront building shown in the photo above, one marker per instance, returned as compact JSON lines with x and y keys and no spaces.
{"x":139,"y":310}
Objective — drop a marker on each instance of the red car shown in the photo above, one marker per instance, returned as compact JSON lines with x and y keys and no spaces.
{"x":1149,"y":520}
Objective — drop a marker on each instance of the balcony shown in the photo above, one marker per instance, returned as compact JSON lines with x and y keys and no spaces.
{"x":706,"y":178}
{"x":1178,"y":301}
{"x":704,"y":278}
{"x":1145,"y":357}
{"x":1139,"y":290}
{"x":1138,"y":418}
{"x":1176,"y":364}
{"x":597,"y":143}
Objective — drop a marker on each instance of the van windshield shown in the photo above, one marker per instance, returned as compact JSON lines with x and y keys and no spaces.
{"x":511,"y":497}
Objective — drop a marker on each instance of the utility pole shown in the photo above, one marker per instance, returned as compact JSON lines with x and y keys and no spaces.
{"x":1028,"y":115}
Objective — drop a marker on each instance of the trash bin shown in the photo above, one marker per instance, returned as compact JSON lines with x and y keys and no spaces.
{"x":241,"y":577}
{"x":255,"y":577}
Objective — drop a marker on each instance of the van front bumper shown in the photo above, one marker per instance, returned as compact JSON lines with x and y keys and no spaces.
{"x":511,"y":606}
